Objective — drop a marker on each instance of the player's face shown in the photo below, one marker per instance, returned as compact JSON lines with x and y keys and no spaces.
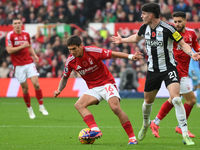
{"x":179,"y":23}
{"x":146,"y":17}
{"x":76,"y":51}
{"x":17,"y":25}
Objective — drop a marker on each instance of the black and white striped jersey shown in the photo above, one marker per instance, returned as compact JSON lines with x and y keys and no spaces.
{"x":159,"y":45}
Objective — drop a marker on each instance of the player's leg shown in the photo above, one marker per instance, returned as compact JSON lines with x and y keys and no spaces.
{"x":198,"y":95}
{"x":114,"y":103}
{"x":164,"y":110}
{"x":27,"y":99}
{"x":174,"y":89}
{"x":146,"y":109}
{"x":33,"y":75}
{"x":152,"y":85}
{"x":22,"y":78}
{"x":81,"y":105}
{"x":190,"y":100}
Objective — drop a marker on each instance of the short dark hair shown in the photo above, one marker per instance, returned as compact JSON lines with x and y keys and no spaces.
{"x":179,"y":14}
{"x":153,"y":8}
{"x":74,"y":40}
{"x":16,"y":18}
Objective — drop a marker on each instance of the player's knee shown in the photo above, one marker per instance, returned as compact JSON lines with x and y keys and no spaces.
{"x":116,"y":110}
{"x":77,"y":105}
{"x":177,"y":100}
{"x":36,"y":85}
{"x":192,"y":102}
{"x":25,"y":90}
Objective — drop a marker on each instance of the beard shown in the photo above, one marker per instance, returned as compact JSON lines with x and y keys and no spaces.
{"x":181,"y":29}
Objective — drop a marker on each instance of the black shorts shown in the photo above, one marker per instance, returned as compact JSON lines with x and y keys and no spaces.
{"x":154,"y":79}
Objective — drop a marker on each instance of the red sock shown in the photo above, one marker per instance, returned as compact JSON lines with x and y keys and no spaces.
{"x":129,"y":129}
{"x":188,"y":109}
{"x":27,"y":99}
{"x":39,"y":96}
{"x":89,"y":120}
{"x":164,"y":110}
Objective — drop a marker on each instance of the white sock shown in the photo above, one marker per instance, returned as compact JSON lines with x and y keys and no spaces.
{"x":146,"y":109}
{"x":41,"y":105}
{"x":95,"y":128}
{"x":157,"y":121}
{"x":180,"y":115}
{"x":29,"y":108}
{"x":133,"y":138}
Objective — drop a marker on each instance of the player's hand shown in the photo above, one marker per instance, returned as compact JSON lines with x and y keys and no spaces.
{"x":196,"y":56}
{"x":26,"y":44}
{"x":56,"y":93}
{"x":36,"y":59}
{"x":137,"y":56}
{"x":116,"y":39}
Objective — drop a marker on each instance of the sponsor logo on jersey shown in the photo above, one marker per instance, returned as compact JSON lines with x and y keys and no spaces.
{"x":19,"y":42}
{"x":88,"y":70}
{"x":16,"y":38}
{"x":154,"y":43}
{"x":176,"y":36}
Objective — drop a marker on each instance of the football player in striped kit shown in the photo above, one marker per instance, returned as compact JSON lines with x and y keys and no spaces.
{"x":159,"y":38}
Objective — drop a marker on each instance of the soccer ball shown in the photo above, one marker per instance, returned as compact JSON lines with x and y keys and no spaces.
{"x":85,"y":141}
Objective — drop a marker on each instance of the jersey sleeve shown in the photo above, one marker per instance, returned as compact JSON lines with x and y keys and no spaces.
{"x":67,"y":70}
{"x":99,"y":53}
{"x":174,"y":34}
{"x":8,"y":40}
{"x":142,"y":29}
{"x":106,"y":54}
{"x":195,"y":43}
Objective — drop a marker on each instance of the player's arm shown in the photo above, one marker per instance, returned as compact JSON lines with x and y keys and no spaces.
{"x":136,"y":56}
{"x":187,"y":49}
{"x":10,"y":49}
{"x":32,"y":52}
{"x":61,"y":86}
{"x":131,"y":39}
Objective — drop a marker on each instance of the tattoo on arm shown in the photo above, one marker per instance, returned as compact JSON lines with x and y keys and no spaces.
{"x":190,"y":54}
{"x":62,"y":83}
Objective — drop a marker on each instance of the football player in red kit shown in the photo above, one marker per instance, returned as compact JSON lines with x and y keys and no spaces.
{"x":87,"y":61}
{"x":19,"y":47}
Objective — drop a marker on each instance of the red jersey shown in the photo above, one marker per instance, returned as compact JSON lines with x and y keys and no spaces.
{"x":22,"y":57}
{"x":181,"y":57}
{"x":90,"y":66}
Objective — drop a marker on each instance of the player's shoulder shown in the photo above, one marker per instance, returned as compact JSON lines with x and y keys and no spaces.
{"x":70,"y":59}
{"x":92,"y":49}
{"x":24,"y":32}
{"x":9,"y":34}
{"x":189,"y":30}
{"x":167,"y":26}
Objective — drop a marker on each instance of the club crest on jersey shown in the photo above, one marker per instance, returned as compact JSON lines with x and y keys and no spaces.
{"x":159,"y":34}
{"x":90,"y":60}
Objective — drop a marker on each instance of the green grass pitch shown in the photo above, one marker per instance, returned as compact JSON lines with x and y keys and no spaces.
{"x":59,"y":130}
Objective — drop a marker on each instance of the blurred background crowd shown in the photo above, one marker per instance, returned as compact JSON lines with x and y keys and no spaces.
{"x":52,"y":50}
